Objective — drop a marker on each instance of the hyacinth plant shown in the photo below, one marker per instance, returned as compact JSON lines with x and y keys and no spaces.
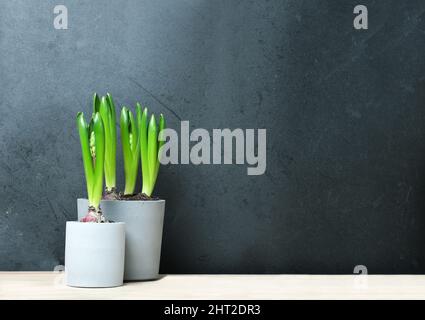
{"x":106,"y":108}
{"x":141,"y":140}
{"x":151,"y":141}
{"x":131,"y":148}
{"x":92,"y":139}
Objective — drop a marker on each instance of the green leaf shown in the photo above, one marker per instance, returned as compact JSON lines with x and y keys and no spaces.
{"x":96,"y":103}
{"x":93,"y":160}
{"x":83,"y":131}
{"x":112,"y":125}
{"x":161,"y":140}
{"x":131,"y":149}
{"x":113,"y":133}
{"x":143,"y":133}
{"x":99,"y":160}
{"x":152,"y":152}
{"x":110,"y":143}
{"x":158,"y":155}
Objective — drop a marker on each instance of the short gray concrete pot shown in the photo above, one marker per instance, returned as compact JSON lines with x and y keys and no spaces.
{"x":94,"y":254}
{"x":144,"y":223}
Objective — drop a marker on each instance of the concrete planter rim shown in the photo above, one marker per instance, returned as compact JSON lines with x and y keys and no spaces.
{"x":96,"y":223}
{"x":129,"y":201}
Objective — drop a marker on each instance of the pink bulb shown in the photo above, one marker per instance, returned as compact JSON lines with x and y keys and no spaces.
{"x":89,"y":218}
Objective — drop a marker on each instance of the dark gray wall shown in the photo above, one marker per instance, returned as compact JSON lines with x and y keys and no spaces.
{"x":343,"y":109}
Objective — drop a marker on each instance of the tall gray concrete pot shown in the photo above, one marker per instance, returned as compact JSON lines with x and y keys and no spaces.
{"x":144,"y":223}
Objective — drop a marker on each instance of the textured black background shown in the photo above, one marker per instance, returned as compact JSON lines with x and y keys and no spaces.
{"x":343,"y":109}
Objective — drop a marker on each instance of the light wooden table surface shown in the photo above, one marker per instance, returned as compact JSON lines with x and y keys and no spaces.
{"x":50,"y":285}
